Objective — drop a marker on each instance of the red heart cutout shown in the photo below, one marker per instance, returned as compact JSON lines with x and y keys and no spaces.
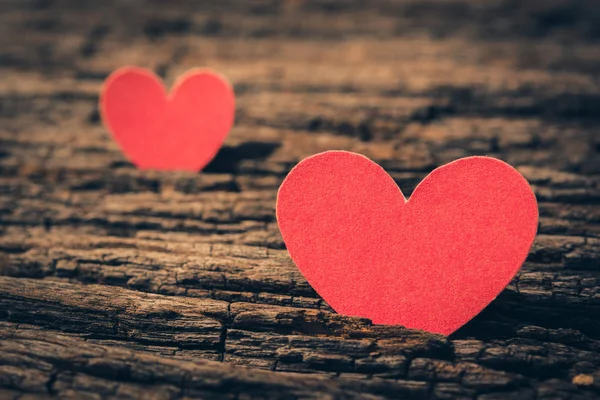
{"x":432,"y":262}
{"x":181,"y":131}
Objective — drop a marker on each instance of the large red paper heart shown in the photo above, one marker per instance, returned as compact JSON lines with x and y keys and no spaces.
{"x":432,"y":262}
{"x":180,"y":131}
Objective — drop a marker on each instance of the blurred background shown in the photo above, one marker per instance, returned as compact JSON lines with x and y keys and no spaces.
{"x":412,"y":83}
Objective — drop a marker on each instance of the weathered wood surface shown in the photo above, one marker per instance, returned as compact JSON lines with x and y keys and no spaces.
{"x":121,"y":283}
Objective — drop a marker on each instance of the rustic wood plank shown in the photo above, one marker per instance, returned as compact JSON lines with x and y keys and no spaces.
{"x":119,"y":283}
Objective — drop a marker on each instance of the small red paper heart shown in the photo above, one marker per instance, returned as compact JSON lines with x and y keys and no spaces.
{"x":180,"y":131}
{"x":432,"y":262}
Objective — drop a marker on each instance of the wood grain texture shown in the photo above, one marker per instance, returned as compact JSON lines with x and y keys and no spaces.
{"x":118,"y":283}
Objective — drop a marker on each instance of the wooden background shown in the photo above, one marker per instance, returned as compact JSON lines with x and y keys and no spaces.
{"x":121,"y":283}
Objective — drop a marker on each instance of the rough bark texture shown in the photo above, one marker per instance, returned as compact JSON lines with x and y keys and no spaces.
{"x":124,"y":283}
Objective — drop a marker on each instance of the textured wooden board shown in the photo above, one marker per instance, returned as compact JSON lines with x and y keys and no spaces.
{"x":121,"y":283}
